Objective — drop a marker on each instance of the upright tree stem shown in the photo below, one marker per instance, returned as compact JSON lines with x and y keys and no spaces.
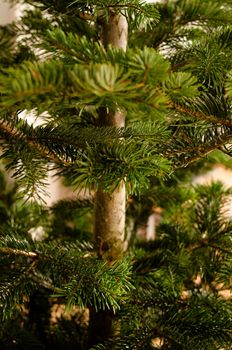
{"x":110,"y":209}
{"x":115,"y":31}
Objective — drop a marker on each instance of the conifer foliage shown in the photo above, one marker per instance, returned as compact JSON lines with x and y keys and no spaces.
{"x":171,"y":83}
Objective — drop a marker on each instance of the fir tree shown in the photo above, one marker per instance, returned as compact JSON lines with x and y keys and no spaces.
{"x":133,"y":93}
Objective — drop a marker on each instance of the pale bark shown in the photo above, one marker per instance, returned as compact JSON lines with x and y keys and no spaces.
{"x":110,"y":209}
{"x":115,"y":31}
{"x":110,"y":222}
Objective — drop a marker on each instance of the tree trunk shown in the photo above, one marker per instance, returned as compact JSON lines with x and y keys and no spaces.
{"x":115,"y":31}
{"x":110,"y":209}
{"x":39,"y":315}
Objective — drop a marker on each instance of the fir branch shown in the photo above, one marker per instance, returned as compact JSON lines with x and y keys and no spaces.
{"x":17,"y":252}
{"x":204,"y":243}
{"x":199,"y":115}
{"x":199,"y":151}
{"x":15,"y":133}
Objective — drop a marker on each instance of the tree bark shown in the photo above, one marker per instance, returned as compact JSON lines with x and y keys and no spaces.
{"x":115,"y":31}
{"x":110,"y":209}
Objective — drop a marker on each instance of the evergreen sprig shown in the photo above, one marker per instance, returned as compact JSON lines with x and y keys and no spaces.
{"x":67,"y":270}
